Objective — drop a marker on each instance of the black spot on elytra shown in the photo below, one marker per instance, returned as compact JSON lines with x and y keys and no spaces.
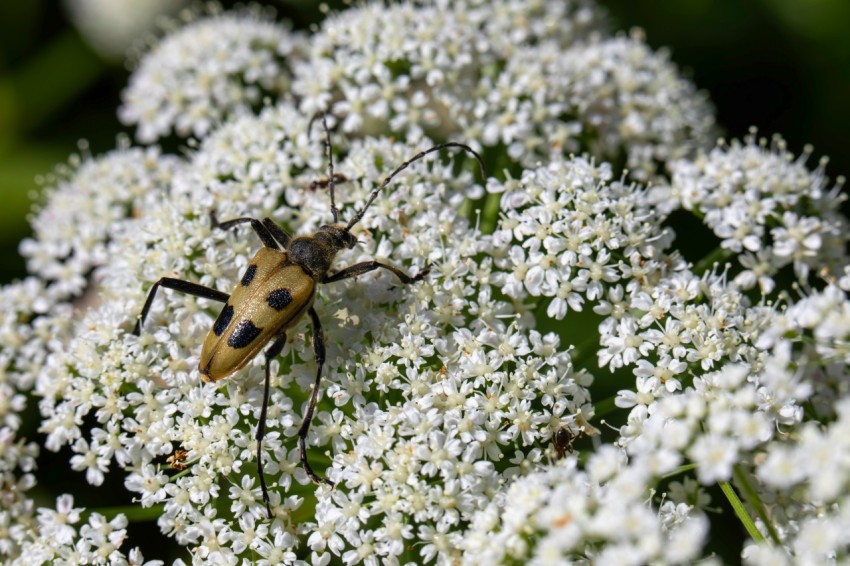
{"x":223,"y":320}
{"x":243,"y":334}
{"x":279,"y":299}
{"x":249,"y":275}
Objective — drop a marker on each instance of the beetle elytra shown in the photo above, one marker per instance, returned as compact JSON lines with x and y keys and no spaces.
{"x":277,"y":289}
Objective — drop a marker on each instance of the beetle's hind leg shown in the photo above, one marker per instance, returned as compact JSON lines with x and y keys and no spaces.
{"x":178,"y":285}
{"x":273,"y":351}
{"x":319,"y":349}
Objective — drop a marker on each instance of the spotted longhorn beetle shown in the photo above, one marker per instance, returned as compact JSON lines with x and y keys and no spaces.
{"x":277,"y":289}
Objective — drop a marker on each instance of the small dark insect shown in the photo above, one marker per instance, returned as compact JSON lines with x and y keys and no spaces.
{"x":563,"y":439}
{"x":325,"y":182}
{"x":277,"y":289}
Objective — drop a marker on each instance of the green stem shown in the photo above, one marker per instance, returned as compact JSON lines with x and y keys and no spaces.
{"x":755,"y":501}
{"x":134,"y":513}
{"x":741,"y":512}
{"x":679,"y":470}
{"x":583,"y":352}
{"x":490,"y":214}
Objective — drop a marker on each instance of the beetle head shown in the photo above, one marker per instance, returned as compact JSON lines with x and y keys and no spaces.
{"x":339,"y":235}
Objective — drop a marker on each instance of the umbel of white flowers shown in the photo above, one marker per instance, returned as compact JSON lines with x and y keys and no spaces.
{"x":450,"y":407}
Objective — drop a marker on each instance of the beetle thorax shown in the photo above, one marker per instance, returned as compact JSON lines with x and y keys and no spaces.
{"x":316,"y":253}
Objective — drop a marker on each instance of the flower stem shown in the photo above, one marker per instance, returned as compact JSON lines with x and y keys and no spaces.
{"x":679,"y":470}
{"x":490,"y":216}
{"x":755,"y":502}
{"x":741,"y":512}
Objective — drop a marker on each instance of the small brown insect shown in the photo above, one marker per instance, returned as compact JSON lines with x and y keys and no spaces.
{"x":325,"y":182}
{"x":176,"y":460}
{"x":563,"y":439}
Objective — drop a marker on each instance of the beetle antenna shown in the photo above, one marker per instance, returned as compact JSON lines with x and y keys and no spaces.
{"x":405,"y":165}
{"x":310,"y":123}
{"x":334,"y":209}
{"x":331,"y":184}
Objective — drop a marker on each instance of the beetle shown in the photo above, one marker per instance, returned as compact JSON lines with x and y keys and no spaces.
{"x":277,"y":289}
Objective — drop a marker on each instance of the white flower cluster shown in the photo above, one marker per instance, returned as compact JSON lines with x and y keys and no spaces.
{"x":611,"y":97}
{"x":575,"y":236}
{"x":444,"y":403}
{"x":54,"y":538}
{"x":71,"y":232}
{"x":549,"y":517}
{"x":804,"y":477}
{"x":572,"y":234}
{"x":25,"y":330}
{"x":416,"y":68}
{"x":815,"y":332}
{"x":805,"y":483}
{"x":458,"y":361}
{"x":212,"y":68}
{"x":718,"y":422}
{"x":418,"y":469}
{"x":682,"y":324}
{"x":767,"y":207}
{"x":751,"y":418}
{"x":32,"y":328}
{"x":504,"y":74}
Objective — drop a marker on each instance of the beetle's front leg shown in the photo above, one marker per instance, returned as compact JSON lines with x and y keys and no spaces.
{"x":178,"y":285}
{"x":272,"y":235}
{"x":367,"y":266}
{"x":273,"y":351}
{"x":319,"y":349}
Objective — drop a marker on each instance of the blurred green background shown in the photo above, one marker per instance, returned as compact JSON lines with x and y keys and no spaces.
{"x":781,"y":65}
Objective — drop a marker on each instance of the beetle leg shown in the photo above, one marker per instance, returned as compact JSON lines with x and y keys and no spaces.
{"x":367,"y":266}
{"x":279,"y":233}
{"x":178,"y":285}
{"x":273,"y":351}
{"x":319,"y":349}
{"x":272,"y":235}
